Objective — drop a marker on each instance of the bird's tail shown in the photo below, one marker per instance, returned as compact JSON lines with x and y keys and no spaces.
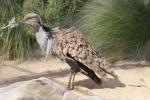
{"x":107,"y":68}
{"x":102,"y":68}
{"x":112,"y":73}
{"x":89,"y":73}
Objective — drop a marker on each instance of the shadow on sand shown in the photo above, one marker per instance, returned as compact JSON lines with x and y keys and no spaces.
{"x":49,"y":74}
{"x":111,"y":83}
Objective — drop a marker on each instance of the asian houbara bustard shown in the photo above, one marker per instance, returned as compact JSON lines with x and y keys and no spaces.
{"x":69,"y":45}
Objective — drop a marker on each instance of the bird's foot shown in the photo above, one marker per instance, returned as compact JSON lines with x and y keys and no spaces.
{"x":70,"y":87}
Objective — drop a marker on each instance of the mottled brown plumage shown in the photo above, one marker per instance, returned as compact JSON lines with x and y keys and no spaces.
{"x":71,"y":41}
{"x":70,"y":45}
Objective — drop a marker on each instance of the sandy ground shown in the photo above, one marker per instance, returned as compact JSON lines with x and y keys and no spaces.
{"x":134,"y":82}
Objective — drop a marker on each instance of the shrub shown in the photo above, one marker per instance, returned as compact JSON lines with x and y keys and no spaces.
{"x":15,"y":43}
{"x":117,"y":25}
{"x":54,"y":12}
{"x":20,"y":41}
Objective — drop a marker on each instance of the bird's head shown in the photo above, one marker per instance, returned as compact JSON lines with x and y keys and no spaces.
{"x":33,"y":20}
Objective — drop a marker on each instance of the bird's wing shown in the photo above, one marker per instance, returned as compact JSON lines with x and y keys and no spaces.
{"x":72,"y":42}
{"x":76,"y":66}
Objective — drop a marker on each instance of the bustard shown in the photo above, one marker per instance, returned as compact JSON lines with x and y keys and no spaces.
{"x":70,"y":45}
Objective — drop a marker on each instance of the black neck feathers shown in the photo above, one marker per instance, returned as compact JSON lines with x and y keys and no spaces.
{"x":48,"y":31}
{"x":45,"y":28}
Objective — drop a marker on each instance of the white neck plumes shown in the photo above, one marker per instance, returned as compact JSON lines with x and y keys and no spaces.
{"x":44,"y":42}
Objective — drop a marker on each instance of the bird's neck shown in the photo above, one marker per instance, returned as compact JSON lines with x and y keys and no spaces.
{"x":36,"y":27}
{"x":44,"y":29}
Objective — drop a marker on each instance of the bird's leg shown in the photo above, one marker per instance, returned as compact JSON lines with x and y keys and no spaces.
{"x":72,"y":87}
{"x":74,"y":69}
{"x":69,"y":82}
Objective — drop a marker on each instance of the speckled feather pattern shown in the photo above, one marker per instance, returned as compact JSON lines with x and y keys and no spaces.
{"x":71,"y":41}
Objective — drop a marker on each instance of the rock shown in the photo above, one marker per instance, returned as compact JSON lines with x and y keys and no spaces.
{"x":36,"y":89}
{"x":74,"y":95}
{"x":41,"y":89}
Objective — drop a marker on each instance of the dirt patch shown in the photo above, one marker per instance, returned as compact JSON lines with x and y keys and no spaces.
{"x":134,"y":82}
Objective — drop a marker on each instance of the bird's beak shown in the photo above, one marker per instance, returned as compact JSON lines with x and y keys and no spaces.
{"x":22,"y":21}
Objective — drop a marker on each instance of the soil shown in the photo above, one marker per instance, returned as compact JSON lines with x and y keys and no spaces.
{"x":133,"y":83}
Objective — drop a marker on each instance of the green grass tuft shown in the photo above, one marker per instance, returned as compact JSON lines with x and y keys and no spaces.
{"x":19,"y":42}
{"x":15,"y":43}
{"x":117,"y":25}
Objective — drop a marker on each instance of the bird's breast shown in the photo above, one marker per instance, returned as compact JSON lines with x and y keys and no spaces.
{"x":41,"y":38}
